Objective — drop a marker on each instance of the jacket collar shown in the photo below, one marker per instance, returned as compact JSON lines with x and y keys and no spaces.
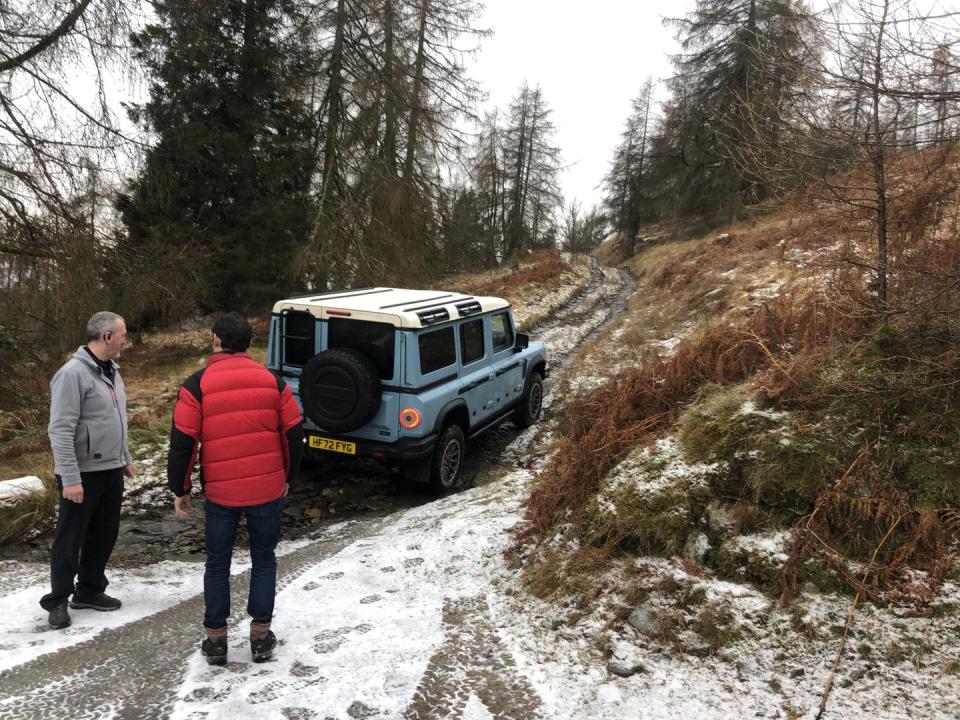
{"x":224,"y":355}
{"x":83,"y":356}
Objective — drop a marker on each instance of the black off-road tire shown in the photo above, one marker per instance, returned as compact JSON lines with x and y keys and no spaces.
{"x":340,"y":390}
{"x":531,"y":402}
{"x":446,"y":466}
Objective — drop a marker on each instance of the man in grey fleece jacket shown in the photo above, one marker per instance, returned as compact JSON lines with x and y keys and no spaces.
{"x":88,"y":434}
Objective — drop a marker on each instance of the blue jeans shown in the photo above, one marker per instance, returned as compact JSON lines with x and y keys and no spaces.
{"x":263,"y":525}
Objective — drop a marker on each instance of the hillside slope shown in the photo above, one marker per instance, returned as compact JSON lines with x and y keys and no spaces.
{"x":756,"y":451}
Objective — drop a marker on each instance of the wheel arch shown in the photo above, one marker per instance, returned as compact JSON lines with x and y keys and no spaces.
{"x":453,"y":412}
{"x":538,"y":365}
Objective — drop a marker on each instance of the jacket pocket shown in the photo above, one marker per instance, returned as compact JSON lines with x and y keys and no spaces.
{"x":81,"y":442}
{"x":105,"y":441}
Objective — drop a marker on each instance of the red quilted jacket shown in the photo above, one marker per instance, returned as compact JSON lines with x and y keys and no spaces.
{"x":247,"y":425}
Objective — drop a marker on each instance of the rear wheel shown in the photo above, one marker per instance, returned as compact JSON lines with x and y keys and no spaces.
{"x":447,"y":463}
{"x":531,"y":403}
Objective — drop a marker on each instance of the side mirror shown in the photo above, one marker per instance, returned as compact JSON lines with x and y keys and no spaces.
{"x":522,"y":342}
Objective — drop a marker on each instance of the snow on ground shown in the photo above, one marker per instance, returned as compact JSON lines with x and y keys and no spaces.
{"x":771,"y":671}
{"x":11,"y":490}
{"x":147,"y":491}
{"x":144,"y":591}
{"x":544,"y":301}
{"x":370,"y":617}
{"x":365,"y":631}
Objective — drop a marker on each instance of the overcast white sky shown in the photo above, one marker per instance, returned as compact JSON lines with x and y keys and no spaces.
{"x":590,"y":58}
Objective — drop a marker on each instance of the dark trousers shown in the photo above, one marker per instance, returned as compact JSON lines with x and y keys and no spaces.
{"x":85,"y":535}
{"x":263,"y":526}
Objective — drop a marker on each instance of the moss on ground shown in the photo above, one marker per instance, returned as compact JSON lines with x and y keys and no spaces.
{"x":773,"y":458}
{"x":651,"y":502}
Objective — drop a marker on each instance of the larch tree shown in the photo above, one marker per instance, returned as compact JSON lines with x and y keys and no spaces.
{"x":395,"y":91}
{"x":740,"y":59}
{"x":57,"y":133}
{"x":532,"y":166}
{"x":628,"y":195}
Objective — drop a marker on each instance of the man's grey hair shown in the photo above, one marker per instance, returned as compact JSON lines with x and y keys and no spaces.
{"x":100,"y":323}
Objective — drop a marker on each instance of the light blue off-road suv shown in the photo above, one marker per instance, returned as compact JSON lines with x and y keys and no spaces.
{"x":405,"y":376}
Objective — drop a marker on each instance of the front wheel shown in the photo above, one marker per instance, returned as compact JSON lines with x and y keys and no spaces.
{"x":531,"y":403}
{"x":447,"y":463}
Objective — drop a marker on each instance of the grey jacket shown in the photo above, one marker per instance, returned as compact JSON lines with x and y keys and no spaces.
{"x":88,"y":419}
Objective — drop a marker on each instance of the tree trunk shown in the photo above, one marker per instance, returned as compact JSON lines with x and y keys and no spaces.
{"x":331,"y":169}
{"x":413,"y":124}
{"x":879,"y":169}
{"x":389,"y":147}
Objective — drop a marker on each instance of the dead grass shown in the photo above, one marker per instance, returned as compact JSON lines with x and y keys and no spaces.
{"x":616,"y":417}
{"x":782,"y":304}
{"x":870,"y":533}
{"x":544,"y":268}
{"x":717,"y":624}
{"x":685,"y":285}
{"x":28,"y":513}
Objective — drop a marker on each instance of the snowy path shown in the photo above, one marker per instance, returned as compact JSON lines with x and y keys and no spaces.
{"x":391,"y":619}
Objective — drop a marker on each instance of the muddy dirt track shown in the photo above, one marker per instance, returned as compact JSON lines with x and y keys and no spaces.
{"x":135,"y":670}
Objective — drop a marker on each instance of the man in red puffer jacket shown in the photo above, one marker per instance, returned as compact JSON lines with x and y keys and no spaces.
{"x":248,"y":428}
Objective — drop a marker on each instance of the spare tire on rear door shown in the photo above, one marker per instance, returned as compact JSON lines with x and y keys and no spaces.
{"x":340,"y":389}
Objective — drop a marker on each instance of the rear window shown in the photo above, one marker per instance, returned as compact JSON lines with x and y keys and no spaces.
{"x":373,"y":339}
{"x":437,"y":350}
{"x":299,"y":332}
{"x":471,"y":341}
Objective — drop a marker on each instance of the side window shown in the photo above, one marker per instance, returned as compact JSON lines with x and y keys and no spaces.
{"x":437,"y":350}
{"x":299,"y":332}
{"x":373,"y":339}
{"x":502,"y":332}
{"x":471,"y":341}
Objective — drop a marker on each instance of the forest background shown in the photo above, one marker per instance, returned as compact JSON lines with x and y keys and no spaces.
{"x":289,"y":146}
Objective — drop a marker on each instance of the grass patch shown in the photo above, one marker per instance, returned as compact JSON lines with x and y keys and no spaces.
{"x":26,"y":514}
{"x":542,"y":268}
{"x":716,"y":623}
{"x":650,"y":503}
{"x":618,"y":416}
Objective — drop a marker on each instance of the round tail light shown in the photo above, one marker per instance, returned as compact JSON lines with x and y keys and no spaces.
{"x":410,"y":418}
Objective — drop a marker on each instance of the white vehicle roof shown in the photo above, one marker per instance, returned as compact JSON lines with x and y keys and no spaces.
{"x":395,"y":306}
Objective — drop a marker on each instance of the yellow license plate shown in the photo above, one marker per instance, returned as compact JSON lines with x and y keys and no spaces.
{"x":337,"y":446}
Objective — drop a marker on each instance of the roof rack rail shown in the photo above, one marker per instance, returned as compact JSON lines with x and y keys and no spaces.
{"x":336,"y":294}
{"x":430,"y":301}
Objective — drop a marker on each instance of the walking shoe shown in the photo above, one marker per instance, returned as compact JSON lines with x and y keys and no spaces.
{"x":262,"y":647}
{"x":59,"y":617}
{"x":214,"y":649}
{"x":100,"y":601}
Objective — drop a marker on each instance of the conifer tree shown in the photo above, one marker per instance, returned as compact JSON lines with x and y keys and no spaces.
{"x":741,"y":60}
{"x":628,"y":197}
{"x":532,"y":165}
{"x":224,"y":191}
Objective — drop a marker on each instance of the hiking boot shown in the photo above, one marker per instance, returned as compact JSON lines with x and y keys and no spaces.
{"x":214,"y":649}
{"x":262,"y":647}
{"x":100,"y":601}
{"x":59,"y":617}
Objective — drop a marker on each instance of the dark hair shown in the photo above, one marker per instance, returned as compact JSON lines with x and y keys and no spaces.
{"x":234,"y":332}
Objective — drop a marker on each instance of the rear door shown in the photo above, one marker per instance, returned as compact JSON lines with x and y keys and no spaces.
{"x":508,"y":373}
{"x":476,"y":375}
